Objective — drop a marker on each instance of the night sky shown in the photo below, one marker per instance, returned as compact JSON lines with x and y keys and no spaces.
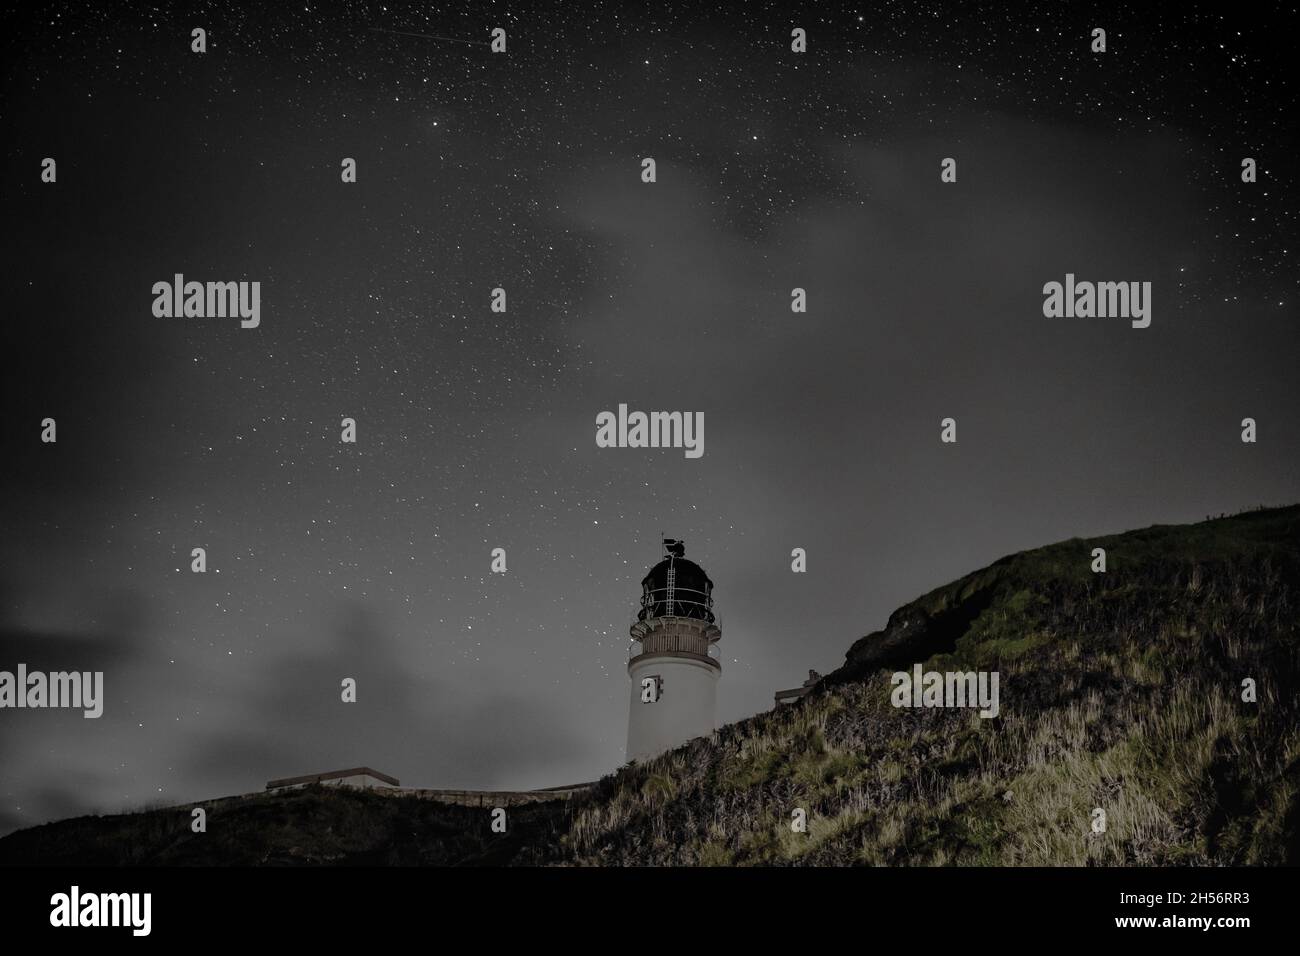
{"x":476,"y":429}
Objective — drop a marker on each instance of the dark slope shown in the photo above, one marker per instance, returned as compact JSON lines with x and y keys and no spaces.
{"x":319,"y":825}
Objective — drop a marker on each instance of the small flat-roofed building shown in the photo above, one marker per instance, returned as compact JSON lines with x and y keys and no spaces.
{"x":362,"y":777}
{"x":797,"y":693}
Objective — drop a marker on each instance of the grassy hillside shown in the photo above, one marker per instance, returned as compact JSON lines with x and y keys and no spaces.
{"x":1119,"y":691}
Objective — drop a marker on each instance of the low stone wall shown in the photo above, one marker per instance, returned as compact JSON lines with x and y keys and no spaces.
{"x":483,"y":798}
{"x":466,"y":798}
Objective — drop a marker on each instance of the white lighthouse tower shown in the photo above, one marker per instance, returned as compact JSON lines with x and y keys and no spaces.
{"x":674,"y":680}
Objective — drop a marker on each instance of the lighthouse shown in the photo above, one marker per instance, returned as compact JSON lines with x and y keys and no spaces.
{"x":674,"y":679}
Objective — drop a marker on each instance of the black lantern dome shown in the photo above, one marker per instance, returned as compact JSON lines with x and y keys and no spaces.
{"x":676,"y":587}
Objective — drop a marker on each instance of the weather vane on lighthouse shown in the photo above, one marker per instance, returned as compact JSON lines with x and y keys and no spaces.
{"x":674,"y":680}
